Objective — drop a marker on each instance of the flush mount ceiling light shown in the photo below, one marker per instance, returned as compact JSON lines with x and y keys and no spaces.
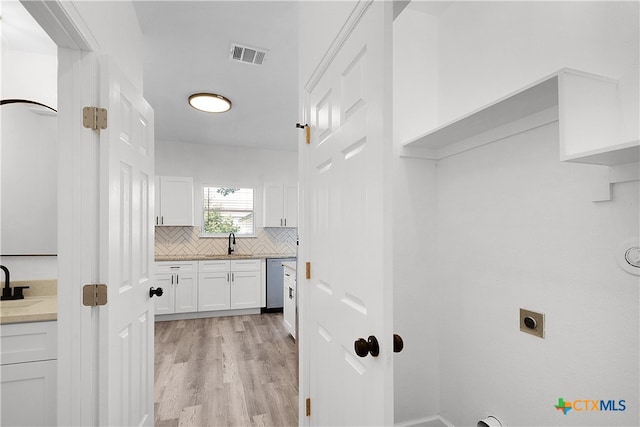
{"x":210,"y":102}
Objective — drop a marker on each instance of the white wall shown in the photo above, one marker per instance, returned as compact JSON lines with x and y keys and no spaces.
{"x":320,"y":17}
{"x":490,"y":49}
{"x":225,"y":165}
{"x":114,"y":25}
{"x":416,"y":375}
{"x":517,"y":229}
{"x":29,"y":71}
{"x":514,"y":226}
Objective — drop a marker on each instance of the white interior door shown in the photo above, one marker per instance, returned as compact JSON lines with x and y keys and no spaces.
{"x":347,"y":227}
{"x":127,"y":176}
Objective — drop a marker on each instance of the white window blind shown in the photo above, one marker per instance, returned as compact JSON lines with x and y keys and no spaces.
{"x":227,"y":210}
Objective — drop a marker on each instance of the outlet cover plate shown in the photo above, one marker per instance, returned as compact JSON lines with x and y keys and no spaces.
{"x":538,"y":330}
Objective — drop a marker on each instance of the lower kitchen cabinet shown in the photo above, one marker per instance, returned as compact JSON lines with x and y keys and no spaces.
{"x":225,"y":285}
{"x":28,"y":386}
{"x":179,"y":282}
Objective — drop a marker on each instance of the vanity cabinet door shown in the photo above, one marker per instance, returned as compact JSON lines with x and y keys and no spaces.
{"x":28,"y":393}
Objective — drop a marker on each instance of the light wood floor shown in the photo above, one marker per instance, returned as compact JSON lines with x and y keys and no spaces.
{"x":225,"y":371}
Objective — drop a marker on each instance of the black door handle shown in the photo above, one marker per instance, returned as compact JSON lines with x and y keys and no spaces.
{"x":157,"y":292}
{"x":398,"y":344}
{"x":369,"y":346}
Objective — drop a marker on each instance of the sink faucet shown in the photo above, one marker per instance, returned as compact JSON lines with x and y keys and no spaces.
{"x":230,"y":249}
{"x":6,"y":291}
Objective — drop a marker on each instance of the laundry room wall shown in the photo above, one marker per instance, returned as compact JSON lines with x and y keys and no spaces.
{"x":517,"y":228}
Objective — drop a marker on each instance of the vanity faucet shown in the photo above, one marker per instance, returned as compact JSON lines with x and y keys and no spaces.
{"x":6,"y":291}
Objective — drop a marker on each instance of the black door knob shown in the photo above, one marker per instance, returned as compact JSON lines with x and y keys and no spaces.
{"x":157,"y":292}
{"x":369,"y":346}
{"x":398,"y":344}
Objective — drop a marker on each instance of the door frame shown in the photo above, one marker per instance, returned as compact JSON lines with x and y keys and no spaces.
{"x":78,"y":210}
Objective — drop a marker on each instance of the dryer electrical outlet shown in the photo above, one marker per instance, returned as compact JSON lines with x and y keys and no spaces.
{"x":532,"y":322}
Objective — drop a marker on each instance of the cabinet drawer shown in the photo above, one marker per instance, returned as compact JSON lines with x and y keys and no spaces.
{"x":176,"y":267}
{"x":245,"y":265}
{"x":28,"y":342}
{"x":217,"y":266}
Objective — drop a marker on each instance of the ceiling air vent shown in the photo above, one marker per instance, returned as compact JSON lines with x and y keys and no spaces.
{"x":248,"y":55}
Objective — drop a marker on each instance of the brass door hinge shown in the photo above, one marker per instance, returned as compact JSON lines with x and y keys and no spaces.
{"x":308,"y":406}
{"x":94,"y":118}
{"x":94,"y":295}
{"x":308,"y":270}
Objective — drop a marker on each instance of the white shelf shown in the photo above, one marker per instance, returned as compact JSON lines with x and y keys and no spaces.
{"x":586,"y":106}
{"x":616,"y":155}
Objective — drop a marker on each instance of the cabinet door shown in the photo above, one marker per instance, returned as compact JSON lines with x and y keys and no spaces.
{"x":290,"y":205}
{"x":28,"y":393}
{"x":214,"y":291}
{"x":164,"y":303}
{"x":186,"y":292}
{"x":245,"y":289}
{"x":273,"y":203}
{"x":176,"y":201}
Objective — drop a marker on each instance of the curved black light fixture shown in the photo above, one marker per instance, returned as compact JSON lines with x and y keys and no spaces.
{"x":210,"y":102}
{"x":25,"y":101}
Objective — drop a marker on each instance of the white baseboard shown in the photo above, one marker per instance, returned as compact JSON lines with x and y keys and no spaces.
{"x":433,"y":421}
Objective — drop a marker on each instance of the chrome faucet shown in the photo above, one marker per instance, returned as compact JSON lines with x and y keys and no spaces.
{"x":6,"y":291}
{"x":230,"y":249}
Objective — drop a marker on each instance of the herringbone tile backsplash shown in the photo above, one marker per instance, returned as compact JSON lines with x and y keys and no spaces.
{"x":187,"y":241}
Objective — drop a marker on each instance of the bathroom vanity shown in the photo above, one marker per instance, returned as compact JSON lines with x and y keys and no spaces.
{"x":28,"y":358}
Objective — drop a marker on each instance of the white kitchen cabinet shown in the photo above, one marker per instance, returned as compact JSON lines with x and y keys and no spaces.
{"x":289,"y":306}
{"x":174,"y":201}
{"x":28,"y":374}
{"x":179,"y":281}
{"x":280,"y":205}
{"x":214,"y":285}
{"x":233,"y":284}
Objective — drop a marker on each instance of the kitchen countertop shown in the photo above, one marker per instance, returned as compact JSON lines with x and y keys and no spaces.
{"x":29,"y":309}
{"x":207,"y":257}
{"x":289,"y":264}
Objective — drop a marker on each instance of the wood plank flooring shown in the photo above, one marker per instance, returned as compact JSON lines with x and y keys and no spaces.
{"x":225,"y":371}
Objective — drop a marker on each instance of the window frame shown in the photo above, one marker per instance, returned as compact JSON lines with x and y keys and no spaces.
{"x":205,"y":234}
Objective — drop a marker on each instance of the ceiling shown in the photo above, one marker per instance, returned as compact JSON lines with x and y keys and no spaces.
{"x":187,"y":50}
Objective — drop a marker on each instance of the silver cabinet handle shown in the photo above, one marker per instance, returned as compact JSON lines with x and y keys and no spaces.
{"x":227,"y":277}
{"x":177,"y":279}
{"x":172,"y":279}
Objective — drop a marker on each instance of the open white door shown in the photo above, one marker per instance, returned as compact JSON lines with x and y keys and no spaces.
{"x":346,"y":232}
{"x":126,"y":258}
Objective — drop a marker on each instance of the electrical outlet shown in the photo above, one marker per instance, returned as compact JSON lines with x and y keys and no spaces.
{"x":532,"y":322}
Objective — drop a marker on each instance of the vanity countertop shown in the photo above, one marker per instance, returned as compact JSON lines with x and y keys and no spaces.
{"x":29,"y":309}
{"x":40,"y":303}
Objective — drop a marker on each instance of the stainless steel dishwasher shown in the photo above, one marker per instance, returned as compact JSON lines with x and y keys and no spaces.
{"x":275,"y":283}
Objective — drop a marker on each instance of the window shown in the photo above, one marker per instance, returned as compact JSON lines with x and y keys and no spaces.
{"x":227,"y":210}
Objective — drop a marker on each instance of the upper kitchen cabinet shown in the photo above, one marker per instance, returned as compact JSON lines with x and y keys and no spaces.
{"x":174,"y":201}
{"x":280,"y":205}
